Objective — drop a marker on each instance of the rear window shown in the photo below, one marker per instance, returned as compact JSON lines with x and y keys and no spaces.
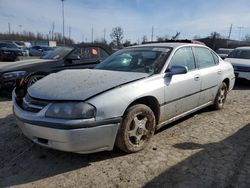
{"x":240,"y":53}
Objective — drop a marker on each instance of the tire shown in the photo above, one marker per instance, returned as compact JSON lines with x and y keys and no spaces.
{"x":137,"y":128}
{"x":33,"y":79}
{"x":220,"y":98}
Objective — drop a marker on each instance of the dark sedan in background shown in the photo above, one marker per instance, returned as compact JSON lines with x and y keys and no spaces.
{"x":76,"y":57}
{"x":9,"y":51}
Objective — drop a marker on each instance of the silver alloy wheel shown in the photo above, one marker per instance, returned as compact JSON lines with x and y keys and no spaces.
{"x":138,"y":131}
{"x":222,"y":96}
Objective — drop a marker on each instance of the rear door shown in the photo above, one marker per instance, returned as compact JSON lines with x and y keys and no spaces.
{"x":182,"y":91}
{"x":210,"y":73}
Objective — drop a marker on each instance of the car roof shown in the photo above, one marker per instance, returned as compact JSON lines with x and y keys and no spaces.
{"x":168,"y":44}
{"x":244,"y":48}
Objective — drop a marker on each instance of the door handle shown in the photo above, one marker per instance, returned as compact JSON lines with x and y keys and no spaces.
{"x":197,"y":77}
{"x":219,"y":72}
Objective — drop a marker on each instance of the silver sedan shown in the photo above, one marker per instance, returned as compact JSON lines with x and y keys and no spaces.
{"x":124,"y":99}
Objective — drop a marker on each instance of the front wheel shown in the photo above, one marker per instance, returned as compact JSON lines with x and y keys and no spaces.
{"x":220,"y":98}
{"x":137,"y":128}
{"x":33,"y":79}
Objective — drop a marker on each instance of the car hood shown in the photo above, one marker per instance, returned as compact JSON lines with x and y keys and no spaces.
{"x":80,"y":84}
{"x":12,"y":49}
{"x":18,"y":65}
{"x":239,"y":62}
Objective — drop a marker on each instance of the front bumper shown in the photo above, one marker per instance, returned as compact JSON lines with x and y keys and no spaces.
{"x":73,"y":138}
{"x":83,"y":140}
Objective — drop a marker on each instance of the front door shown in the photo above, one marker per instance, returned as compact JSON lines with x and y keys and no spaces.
{"x":182,"y":91}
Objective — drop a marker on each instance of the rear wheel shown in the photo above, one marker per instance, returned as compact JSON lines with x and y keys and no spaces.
{"x":137,"y":128}
{"x":33,"y":79}
{"x":220,"y":98}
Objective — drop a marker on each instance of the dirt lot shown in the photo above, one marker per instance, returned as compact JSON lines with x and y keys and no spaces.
{"x":209,"y":149}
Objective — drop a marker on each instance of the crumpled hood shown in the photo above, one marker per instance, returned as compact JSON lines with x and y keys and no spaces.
{"x":239,"y":62}
{"x":80,"y":84}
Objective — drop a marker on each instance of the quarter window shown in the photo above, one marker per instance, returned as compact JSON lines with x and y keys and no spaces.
{"x":183,"y":56}
{"x":204,"y":57}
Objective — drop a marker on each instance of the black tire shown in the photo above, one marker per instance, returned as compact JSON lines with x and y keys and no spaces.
{"x":137,"y":128}
{"x":33,"y":79}
{"x":220,"y":98}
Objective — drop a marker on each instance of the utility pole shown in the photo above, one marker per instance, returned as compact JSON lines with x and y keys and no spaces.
{"x":63,"y":20}
{"x":152,"y":34}
{"x":69,"y":32}
{"x":92,"y":34}
{"x":9,"y":27}
{"x":20,"y":26}
{"x":230,"y":31}
{"x":52,"y":31}
{"x":82,"y":38}
{"x":240,"y":28}
{"x":104,"y":35}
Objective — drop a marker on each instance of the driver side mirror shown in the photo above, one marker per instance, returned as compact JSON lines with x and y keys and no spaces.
{"x":177,"y":69}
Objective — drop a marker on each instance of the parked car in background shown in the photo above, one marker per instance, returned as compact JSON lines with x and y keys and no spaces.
{"x":128,"y":96}
{"x":240,"y":59}
{"x":223,"y":52}
{"x":39,"y":50}
{"x":9,"y":51}
{"x":76,"y":57}
{"x":21,"y":45}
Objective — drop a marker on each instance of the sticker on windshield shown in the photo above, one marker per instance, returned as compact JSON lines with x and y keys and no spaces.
{"x":161,"y":49}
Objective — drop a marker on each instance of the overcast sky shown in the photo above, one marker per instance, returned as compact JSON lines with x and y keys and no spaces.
{"x":136,"y":17}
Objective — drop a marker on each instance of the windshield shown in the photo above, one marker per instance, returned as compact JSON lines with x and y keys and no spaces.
{"x":143,"y":59}
{"x":58,"y":53}
{"x":240,"y":53}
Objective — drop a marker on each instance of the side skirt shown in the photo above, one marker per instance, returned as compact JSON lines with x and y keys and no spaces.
{"x":183,"y":115}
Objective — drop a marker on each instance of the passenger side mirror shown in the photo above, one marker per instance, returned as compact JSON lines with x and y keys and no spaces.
{"x":73,"y":57}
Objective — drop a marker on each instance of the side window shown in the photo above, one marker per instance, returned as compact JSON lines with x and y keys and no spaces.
{"x":183,"y":56}
{"x":204,"y":58}
{"x":90,"y":54}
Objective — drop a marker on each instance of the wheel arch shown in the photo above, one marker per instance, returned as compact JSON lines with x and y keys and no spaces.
{"x":151,"y":102}
{"x":227,"y":82}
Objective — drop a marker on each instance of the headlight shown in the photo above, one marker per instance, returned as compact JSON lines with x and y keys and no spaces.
{"x":16,"y":74}
{"x":71,"y":110}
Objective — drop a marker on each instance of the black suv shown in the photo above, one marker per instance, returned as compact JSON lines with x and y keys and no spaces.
{"x":79,"y":56}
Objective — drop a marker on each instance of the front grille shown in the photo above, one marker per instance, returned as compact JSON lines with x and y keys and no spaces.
{"x":241,"y":68}
{"x":33,"y":105}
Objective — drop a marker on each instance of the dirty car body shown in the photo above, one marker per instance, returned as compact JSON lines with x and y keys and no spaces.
{"x":124,"y":99}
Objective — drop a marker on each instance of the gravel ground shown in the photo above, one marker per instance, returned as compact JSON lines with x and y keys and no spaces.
{"x":208,"y":149}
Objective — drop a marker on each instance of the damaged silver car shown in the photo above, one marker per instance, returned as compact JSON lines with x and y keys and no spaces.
{"x":123,"y":100}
